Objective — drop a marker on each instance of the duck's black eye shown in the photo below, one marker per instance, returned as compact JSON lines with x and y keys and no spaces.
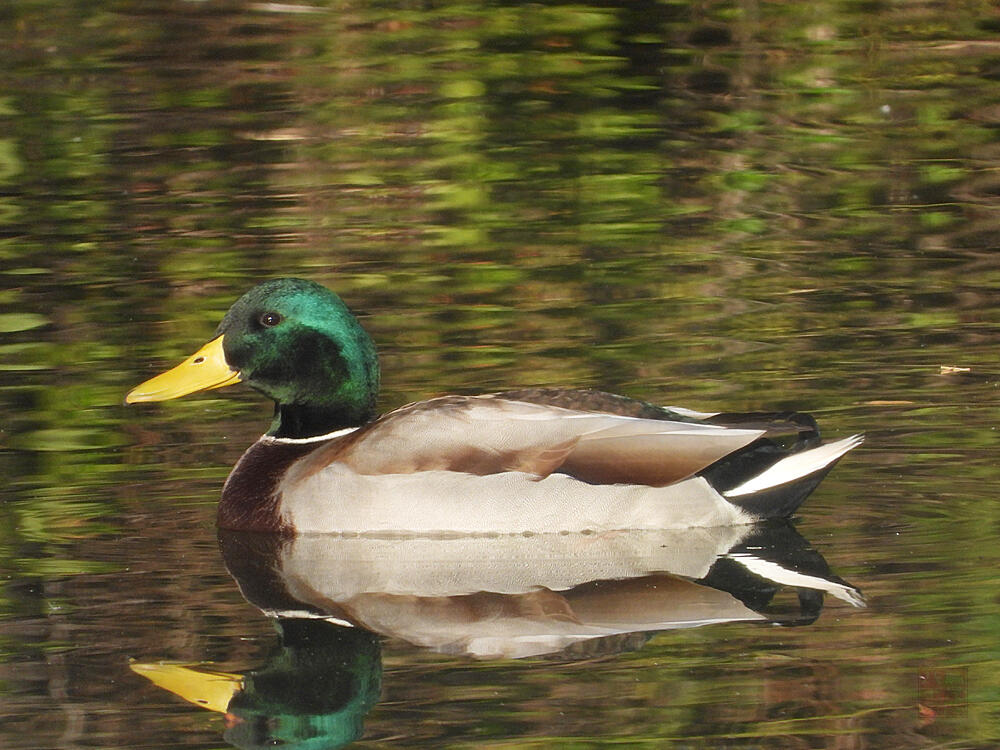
{"x":270,"y":319}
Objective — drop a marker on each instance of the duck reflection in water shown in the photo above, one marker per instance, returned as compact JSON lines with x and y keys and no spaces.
{"x":313,"y":692}
{"x":559,"y":595}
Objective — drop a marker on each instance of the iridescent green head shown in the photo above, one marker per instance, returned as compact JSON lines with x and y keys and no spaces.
{"x":297,"y":343}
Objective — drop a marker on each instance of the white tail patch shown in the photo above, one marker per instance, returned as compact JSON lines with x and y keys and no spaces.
{"x":692,"y":413}
{"x":797,"y":466}
{"x":774,"y":572}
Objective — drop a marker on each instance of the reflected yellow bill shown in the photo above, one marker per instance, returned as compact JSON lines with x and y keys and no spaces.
{"x":197,"y":684}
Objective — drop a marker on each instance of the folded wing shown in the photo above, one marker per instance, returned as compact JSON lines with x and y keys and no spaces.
{"x":488,"y":435}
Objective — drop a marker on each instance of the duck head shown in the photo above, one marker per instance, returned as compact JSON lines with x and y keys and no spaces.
{"x":297,"y":343}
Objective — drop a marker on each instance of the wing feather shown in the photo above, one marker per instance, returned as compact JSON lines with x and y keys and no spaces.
{"x":486,"y":435}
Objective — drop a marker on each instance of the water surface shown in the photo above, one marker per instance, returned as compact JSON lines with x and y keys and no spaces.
{"x":723,"y":206}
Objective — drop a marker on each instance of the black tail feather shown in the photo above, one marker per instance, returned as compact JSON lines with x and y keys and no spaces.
{"x":785,"y":433}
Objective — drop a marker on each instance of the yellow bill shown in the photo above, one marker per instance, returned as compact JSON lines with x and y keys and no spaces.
{"x":202,"y":371}
{"x":196,"y":684}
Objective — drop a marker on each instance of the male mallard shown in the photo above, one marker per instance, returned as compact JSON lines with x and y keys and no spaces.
{"x":539,"y":460}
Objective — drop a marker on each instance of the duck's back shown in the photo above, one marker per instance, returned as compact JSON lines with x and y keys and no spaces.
{"x":484,"y":435}
{"x":505,"y":464}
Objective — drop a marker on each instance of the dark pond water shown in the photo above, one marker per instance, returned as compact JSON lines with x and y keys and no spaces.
{"x":733,"y":206}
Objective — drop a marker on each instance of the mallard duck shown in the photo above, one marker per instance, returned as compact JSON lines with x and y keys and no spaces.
{"x":536,"y":460}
